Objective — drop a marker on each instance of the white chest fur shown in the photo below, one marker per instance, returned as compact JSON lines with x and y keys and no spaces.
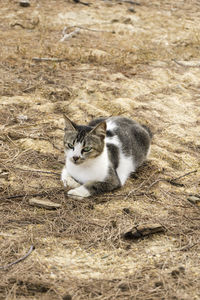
{"x":92,"y":170}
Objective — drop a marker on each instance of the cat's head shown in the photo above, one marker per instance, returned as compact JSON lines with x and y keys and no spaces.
{"x":82,"y":143}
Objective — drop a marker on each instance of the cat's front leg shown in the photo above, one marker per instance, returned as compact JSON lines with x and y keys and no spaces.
{"x":68,"y":180}
{"x":79,"y":192}
{"x":95,"y":187}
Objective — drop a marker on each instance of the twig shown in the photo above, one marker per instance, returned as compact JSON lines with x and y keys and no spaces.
{"x":29,"y":89}
{"x":18,"y":24}
{"x":95,"y":30}
{"x":184,"y":248}
{"x":37,"y":171}
{"x":187,"y":64}
{"x":30,"y":195}
{"x":67,"y":36}
{"x":24,"y":27}
{"x":125,"y":195}
{"x":53,"y":59}
{"x":187,"y":247}
{"x":172,"y":180}
{"x":23,"y":195}
{"x":18,"y":260}
{"x":184,"y":175}
{"x":34,"y":23}
{"x":130,"y":2}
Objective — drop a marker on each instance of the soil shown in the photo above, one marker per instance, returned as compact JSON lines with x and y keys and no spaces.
{"x":137,"y":59}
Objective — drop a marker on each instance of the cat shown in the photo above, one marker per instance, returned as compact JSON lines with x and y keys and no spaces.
{"x":101,"y":156}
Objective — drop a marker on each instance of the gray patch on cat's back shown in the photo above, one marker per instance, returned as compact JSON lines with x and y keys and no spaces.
{"x":141,"y":136}
{"x":135,"y":138}
{"x":113,"y":152}
{"x":148,"y":130}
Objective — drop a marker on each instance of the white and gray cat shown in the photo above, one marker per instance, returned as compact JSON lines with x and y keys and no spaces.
{"x":101,"y":156}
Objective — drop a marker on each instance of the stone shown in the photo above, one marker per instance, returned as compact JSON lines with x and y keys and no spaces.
{"x":195,"y":199}
{"x":24,"y":3}
{"x":44,"y":203}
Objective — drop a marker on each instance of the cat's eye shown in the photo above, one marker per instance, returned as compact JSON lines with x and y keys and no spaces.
{"x":87,"y":149}
{"x":70,"y":146}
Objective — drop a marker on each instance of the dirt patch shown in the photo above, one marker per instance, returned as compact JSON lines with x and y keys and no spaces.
{"x":123,"y":60}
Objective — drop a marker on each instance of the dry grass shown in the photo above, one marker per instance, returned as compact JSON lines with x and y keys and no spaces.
{"x":124,"y":65}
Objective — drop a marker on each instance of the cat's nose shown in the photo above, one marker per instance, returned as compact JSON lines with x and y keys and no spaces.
{"x":75,"y":158}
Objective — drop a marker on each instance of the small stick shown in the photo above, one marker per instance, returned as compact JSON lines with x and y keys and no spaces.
{"x":186,"y":174}
{"x":28,"y":89}
{"x":185,"y":248}
{"x":67,"y":36}
{"x":186,"y":64}
{"x":45,"y":193}
{"x":173,"y":179}
{"x":18,"y":24}
{"x":18,"y":260}
{"x":24,"y":195}
{"x":33,"y":23}
{"x":37,"y":171}
{"x":95,"y":30}
{"x":125,"y":195}
{"x":24,"y":27}
{"x":130,"y":2}
{"x":53,"y":59}
{"x":85,"y":28}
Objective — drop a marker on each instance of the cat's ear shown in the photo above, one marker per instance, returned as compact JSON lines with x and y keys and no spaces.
{"x":69,"y":125}
{"x":100,"y":130}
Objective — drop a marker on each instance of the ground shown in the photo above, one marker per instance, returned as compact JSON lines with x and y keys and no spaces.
{"x":140,"y":60}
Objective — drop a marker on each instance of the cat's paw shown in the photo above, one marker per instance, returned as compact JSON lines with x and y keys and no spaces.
{"x":69,"y":181}
{"x":79,"y":192}
{"x":64,"y":176}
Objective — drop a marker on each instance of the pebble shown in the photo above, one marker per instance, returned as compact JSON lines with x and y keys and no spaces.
{"x":24,"y":3}
{"x":194,"y":200}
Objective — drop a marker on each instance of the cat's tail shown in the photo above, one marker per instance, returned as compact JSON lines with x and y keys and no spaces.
{"x":148,"y":130}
